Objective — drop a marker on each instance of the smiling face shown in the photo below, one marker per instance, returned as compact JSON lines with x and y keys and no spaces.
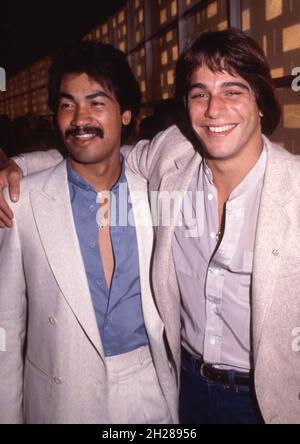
{"x":224,"y":115}
{"x":90,"y":120}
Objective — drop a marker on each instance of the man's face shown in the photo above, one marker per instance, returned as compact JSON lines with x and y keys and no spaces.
{"x":224,"y":114}
{"x":89,"y":119}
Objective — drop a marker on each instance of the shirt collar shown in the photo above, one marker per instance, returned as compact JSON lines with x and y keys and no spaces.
{"x":253,"y":178}
{"x":207,"y":172}
{"x":77,"y":180}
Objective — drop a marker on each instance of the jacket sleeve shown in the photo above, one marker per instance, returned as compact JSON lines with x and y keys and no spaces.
{"x":38,"y":161}
{"x":147,"y":156}
{"x":136,"y":157}
{"x":12,"y":327}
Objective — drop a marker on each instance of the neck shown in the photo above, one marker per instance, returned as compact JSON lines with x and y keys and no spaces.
{"x":229,"y":173}
{"x":103,"y":175}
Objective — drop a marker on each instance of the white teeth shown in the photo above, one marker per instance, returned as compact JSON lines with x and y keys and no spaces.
{"x":220,"y":129}
{"x":84,"y":136}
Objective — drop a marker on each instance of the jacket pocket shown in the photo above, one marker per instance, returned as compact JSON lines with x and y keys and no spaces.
{"x":37,"y":394}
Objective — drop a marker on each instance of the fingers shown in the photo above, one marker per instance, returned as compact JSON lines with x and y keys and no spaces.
{"x":9,"y":175}
{"x":14,"y":186}
{"x":6,"y":215}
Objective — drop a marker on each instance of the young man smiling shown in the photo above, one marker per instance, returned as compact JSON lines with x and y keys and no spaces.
{"x":228,"y":294}
{"x":81,"y":339}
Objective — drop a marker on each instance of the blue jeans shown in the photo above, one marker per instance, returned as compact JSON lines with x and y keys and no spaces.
{"x":203,"y":401}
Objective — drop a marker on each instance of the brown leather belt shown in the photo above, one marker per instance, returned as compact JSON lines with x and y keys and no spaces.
{"x":214,"y":374}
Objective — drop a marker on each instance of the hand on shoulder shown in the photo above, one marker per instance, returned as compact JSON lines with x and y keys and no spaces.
{"x":10,"y":175}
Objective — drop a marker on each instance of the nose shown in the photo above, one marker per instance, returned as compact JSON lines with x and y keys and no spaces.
{"x":215,"y":107}
{"x":81,"y":117}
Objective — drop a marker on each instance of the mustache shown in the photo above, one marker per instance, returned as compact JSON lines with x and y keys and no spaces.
{"x":80,"y":130}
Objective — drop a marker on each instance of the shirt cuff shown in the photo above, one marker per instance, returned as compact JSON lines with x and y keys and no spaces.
{"x":21,"y":162}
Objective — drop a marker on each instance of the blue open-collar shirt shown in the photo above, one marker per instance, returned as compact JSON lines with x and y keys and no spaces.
{"x":118,"y":310}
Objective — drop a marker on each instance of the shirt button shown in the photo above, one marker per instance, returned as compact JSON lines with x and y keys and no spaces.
{"x":52,"y":320}
{"x":57,"y":380}
{"x":210,"y":196}
{"x":275,"y":252}
{"x":213,"y":342}
{"x":213,"y":235}
{"x":92,"y":244}
{"x":92,"y":207}
{"x":99,"y":282}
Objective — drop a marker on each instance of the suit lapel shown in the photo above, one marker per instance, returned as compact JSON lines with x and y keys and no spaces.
{"x":54,"y":220}
{"x":144,"y":234}
{"x":272,"y":225}
{"x":177,"y":177}
{"x":177,"y":180}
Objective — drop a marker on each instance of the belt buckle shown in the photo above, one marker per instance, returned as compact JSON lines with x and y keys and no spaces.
{"x":202,"y":366}
{"x":207,"y":366}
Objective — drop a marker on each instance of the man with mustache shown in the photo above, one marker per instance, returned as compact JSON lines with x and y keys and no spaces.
{"x":81,"y":340}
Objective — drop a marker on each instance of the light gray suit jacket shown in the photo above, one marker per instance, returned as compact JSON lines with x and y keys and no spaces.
{"x":52,"y":366}
{"x":169,"y":164}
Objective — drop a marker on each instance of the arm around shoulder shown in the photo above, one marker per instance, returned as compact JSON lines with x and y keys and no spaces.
{"x":143,"y":158}
{"x":38,"y":161}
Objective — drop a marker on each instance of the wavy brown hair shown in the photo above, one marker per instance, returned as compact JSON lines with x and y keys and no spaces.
{"x":236,"y":53}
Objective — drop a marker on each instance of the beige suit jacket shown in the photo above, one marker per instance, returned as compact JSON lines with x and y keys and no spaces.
{"x":52,"y":366}
{"x":169,"y":164}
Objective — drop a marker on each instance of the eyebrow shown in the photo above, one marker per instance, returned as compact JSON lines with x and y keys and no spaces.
{"x":223,"y":85}
{"x":88,"y":97}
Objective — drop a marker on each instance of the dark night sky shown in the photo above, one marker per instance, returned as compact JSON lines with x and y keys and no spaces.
{"x":30,"y":30}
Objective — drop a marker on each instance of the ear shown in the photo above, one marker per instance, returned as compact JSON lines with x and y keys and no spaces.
{"x":126,"y":117}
